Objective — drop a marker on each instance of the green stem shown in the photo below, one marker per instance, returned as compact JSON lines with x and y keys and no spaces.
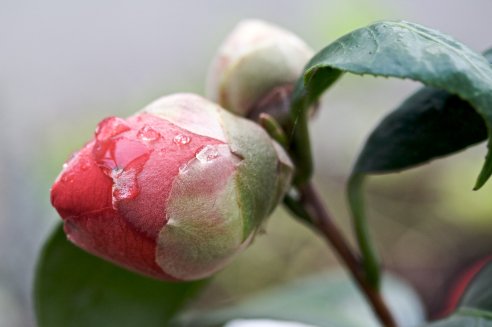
{"x":321,"y":220}
{"x":369,"y":254}
{"x":301,"y":149}
{"x":297,"y":209}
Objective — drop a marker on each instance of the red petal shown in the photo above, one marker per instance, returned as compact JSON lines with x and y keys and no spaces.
{"x":148,"y":210}
{"x":81,"y":186}
{"x":106,"y":234}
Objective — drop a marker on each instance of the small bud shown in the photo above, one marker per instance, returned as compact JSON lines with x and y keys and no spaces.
{"x":257,"y":61}
{"x":173,"y":192}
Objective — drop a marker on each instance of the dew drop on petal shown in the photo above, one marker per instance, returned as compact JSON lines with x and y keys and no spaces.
{"x":110,"y":127}
{"x":84,"y":166}
{"x":118,"y":153}
{"x":181,"y":139}
{"x":207,"y":153}
{"x":67,"y":178}
{"x":148,"y":134}
{"x":122,"y":157}
{"x":124,"y":185}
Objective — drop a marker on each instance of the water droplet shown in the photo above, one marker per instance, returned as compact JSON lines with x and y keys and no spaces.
{"x":119,"y":153}
{"x":67,"y":178}
{"x":122,"y":158}
{"x":124,"y":184}
{"x":84,"y":166}
{"x":65,"y":165}
{"x":182,"y":139}
{"x":207,"y":153}
{"x":148,"y":134}
{"x":110,"y":127}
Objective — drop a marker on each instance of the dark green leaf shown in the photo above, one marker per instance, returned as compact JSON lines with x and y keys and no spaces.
{"x":76,"y":289}
{"x":404,"y":50}
{"x":329,"y":300}
{"x":429,"y":124}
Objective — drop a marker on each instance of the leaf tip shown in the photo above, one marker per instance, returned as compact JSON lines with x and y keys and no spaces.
{"x":485,"y":174}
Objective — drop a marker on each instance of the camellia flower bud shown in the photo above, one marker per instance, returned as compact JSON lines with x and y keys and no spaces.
{"x":173,"y":192}
{"x":255,"y":60}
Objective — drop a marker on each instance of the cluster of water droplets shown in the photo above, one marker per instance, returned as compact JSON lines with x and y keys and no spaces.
{"x":122,"y":157}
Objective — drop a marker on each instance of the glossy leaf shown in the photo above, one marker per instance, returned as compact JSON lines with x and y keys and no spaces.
{"x":403,"y":50}
{"x":76,"y":289}
{"x":329,"y":300}
{"x":429,"y":124}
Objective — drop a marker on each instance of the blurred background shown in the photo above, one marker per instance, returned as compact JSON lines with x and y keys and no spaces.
{"x":66,"y":65}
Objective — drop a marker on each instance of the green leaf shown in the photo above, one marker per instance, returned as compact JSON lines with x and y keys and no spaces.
{"x":329,"y":300}
{"x":475,"y":308}
{"x":429,"y":124}
{"x":404,"y":50}
{"x":75,"y":289}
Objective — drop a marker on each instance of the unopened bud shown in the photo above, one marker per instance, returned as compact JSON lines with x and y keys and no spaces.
{"x":257,"y":64}
{"x":173,"y":192}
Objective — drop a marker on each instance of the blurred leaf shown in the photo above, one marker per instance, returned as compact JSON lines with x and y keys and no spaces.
{"x":329,"y":300}
{"x":475,"y":308}
{"x":462,"y":321}
{"x":76,"y":289}
{"x":429,"y":124}
{"x":403,"y":50}
{"x":478,"y":295}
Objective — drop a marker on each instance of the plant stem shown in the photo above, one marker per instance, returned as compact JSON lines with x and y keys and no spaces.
{"x":323,"y":222}
{"x":301,"y":147}
{"x":369,"y":254}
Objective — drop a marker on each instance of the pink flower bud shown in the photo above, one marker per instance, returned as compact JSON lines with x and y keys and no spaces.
{"x":173,"y":192}
{"x":254,"y":60}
